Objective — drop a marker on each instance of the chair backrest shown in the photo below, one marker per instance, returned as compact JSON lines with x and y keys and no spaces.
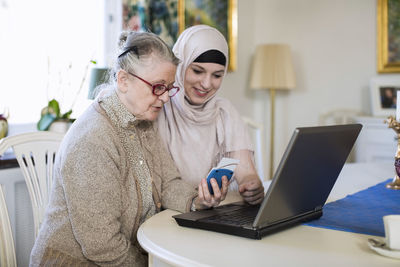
{"x":35,"y":153}
{"x":256,"y":132}
{"x":7,"y":249}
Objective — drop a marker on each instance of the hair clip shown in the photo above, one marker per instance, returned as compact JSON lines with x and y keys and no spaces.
{"x":129,"y":49}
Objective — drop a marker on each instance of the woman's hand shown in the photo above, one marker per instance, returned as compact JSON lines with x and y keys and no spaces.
{"x":205,"y":200}
{"x":252,"y":190}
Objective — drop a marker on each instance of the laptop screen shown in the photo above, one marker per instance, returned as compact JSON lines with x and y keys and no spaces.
{"x":307,"y":172}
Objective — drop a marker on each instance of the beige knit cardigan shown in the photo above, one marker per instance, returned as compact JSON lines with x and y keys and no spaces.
{"x":109,"y":169}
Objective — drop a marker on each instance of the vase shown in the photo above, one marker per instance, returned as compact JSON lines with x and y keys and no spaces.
{"x":395,"y":125}
{"x":3,"y":126}
{"x":60,"y":126}
{"x":395,"y":183}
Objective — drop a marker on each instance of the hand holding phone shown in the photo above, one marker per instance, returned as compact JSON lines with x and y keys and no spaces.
{"x":217,"y":174}
{"x":225,"y":167}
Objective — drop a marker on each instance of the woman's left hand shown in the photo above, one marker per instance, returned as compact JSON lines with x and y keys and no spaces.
{"x":206,"y":199}
{"x":252,"y":190}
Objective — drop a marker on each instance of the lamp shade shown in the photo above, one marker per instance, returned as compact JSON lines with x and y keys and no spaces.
{"x":97,"y":76}
{"x":272,"y":68}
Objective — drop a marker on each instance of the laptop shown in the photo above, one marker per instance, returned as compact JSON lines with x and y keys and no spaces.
{"x":299,"y":189}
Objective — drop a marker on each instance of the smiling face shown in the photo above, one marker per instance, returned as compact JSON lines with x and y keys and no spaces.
{"x":202,"y":80}
{"x":137,"y":96}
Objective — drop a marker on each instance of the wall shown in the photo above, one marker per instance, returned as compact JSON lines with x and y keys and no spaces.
{"x":334,"y":52}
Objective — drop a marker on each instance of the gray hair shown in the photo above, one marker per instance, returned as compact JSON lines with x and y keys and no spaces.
{"x":138,"y":48}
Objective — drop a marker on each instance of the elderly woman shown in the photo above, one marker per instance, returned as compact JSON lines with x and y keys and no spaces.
{"x":197,"y":117}
{"x":112,"y":171}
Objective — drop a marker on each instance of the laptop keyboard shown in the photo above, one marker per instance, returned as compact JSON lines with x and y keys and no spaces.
{"x":239,"y":217}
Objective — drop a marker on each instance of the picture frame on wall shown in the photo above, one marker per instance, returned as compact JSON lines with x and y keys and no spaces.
{"x":384,"y":95}
{"x":157,"y":16}
{"x":220,"y":14}
{"x":168,"y":18}
{"x":388,"y":34}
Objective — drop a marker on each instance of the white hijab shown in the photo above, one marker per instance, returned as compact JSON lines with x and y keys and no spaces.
{"x":199,"y":136}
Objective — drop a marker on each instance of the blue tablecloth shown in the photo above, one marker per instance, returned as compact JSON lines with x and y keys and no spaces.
{"x":361,"y":212}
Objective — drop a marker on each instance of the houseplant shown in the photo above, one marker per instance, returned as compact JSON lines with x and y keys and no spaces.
{"x":51,"y":114}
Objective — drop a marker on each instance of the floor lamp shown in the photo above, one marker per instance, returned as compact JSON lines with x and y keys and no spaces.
{"x":272,"y":70}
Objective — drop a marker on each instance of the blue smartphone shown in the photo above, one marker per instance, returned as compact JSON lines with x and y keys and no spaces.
{"x":217,"y":174}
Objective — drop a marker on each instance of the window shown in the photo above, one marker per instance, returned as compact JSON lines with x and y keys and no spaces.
{"x":45,"y":47}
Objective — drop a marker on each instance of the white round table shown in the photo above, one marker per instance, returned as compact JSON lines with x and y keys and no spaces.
{"x":171,"y":245}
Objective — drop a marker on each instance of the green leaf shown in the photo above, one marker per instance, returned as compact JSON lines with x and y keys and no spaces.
{"x":66,"y":114}
{"x":54,"y":107}
{"x":93,"y":61}
{"x":45,"y":122}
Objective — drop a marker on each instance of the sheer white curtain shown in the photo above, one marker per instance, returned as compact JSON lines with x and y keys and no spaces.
{"x":45,"y":47}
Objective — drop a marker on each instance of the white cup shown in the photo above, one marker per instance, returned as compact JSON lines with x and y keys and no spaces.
{"x":392,"y":231}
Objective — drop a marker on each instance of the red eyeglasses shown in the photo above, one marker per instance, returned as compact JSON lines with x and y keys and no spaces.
{"x":159,"y":88}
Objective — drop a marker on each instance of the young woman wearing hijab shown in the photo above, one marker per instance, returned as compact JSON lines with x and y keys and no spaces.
{"x":112,"y":171}
{"x":198,"y":127}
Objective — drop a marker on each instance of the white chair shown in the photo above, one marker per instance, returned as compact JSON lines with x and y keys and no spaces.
{"x":256,"y":132}
{"x":7,"y":249}
{"x":35,"y":153}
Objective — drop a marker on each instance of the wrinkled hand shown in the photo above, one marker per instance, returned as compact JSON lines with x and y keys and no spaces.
{"x":252,"y":190}
{"x":205,"y":200}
